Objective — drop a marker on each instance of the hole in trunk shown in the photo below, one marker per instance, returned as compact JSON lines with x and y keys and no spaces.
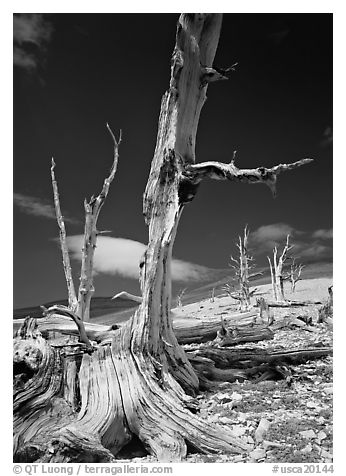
{"x":191,"y":449}
{"x":22,"y":373}
{"x":134,"y":449}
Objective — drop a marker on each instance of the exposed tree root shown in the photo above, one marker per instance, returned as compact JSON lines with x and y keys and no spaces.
{"x":85,"y":408}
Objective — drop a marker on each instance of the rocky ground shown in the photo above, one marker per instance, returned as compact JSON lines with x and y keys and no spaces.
{"x":284,"y":421}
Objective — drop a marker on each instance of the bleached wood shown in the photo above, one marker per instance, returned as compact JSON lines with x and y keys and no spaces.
{"x":221,"y":171}
{"x":295,"y":274}
{"x":242,"y":269}
{"x":187,"y":329}
{"x":72,"y":298}
{"x":92,"y":211}
{"x":276,"y":271}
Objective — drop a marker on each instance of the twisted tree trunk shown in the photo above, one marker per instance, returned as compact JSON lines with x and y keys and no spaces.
{"x":82,"y":406}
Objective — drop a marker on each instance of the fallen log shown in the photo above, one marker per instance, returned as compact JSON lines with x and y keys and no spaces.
{"x":213,"y":365}
{"x":292,"y":303}
{"x":241,"y":336}
{"x":186,"y":329}
{"x":243,"y":358}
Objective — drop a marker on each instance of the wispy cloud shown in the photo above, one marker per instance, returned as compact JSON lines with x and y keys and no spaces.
{"x":31,"y":35}
{"x":323,"y":234}
{"x":268,"y":236}
{"x":327,"y":138}
{"x":38,"y":207}
{"x":120,"y":256}
{"x":312,"y":245}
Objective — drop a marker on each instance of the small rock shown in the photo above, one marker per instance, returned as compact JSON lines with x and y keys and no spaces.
{"x":321,"y":436}
{"x":308,"y":434}
{"x":257,"y":454}
{"x":307,"y":449}
{"x":271,"y":444}
{"x":250,"y":440}
{"x":214,"y":418}
{"x":262,"y":429}
{"x":238,"y":458}
{"x":224,"y":398}
{"x":311,"y":404}
{"x":317,"y":448}
{"x":328,"y":390}
{"x":225,"y":420}
{"x":320,"y":419}
{"x":236,"y":397}
{"x":325,"y":454}
{"x":242,"y":416}
{"x":238,"y":430}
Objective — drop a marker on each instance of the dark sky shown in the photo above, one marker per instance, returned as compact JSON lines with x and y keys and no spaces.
{"x":75,"y":72}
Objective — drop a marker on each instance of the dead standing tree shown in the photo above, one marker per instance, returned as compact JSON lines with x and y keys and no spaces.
{"x":140,"y":383}
{"x":92,"y":211}
{"x":72,"y":298}
{"x":277,"y":271}
{"x":81,"y":306}
{"x":180,"y":297}
{"x":242,"y":267}
{"x":294,"y":274}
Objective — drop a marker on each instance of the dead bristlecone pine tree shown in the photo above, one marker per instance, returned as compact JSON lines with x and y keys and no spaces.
{"x":180,"y":297}
{"x":243,"y":266}
{"x":79,"y":405}
{"x":277,"y":271}
{"x":294,"y":273}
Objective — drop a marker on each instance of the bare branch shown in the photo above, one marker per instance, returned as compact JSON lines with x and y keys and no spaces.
{"x":72,"y":299}
{"x":92,"y":211}
{"x":195,"y":173}
{"x":65,"y":311}
{"x":295,"y":273}
{"x":277,"y":270}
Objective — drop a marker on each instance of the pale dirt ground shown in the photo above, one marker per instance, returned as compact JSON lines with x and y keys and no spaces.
{"x":308,"y":289}
{"x":299,"y":415}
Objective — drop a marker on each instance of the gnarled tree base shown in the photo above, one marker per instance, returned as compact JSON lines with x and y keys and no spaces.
{"x":79,"y":407}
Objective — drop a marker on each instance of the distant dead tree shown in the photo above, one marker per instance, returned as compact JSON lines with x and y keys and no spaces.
{"x":212,"y":295}
{"x":277,"y":271}
{"x":229,"y":289}
{"x":80,"y":306}
{"x":294,"y":273}
{"x":180,"y":297}
{"x":242,"y":267}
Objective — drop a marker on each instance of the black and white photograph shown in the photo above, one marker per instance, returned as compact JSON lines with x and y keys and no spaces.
{"x":172,"y":240}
